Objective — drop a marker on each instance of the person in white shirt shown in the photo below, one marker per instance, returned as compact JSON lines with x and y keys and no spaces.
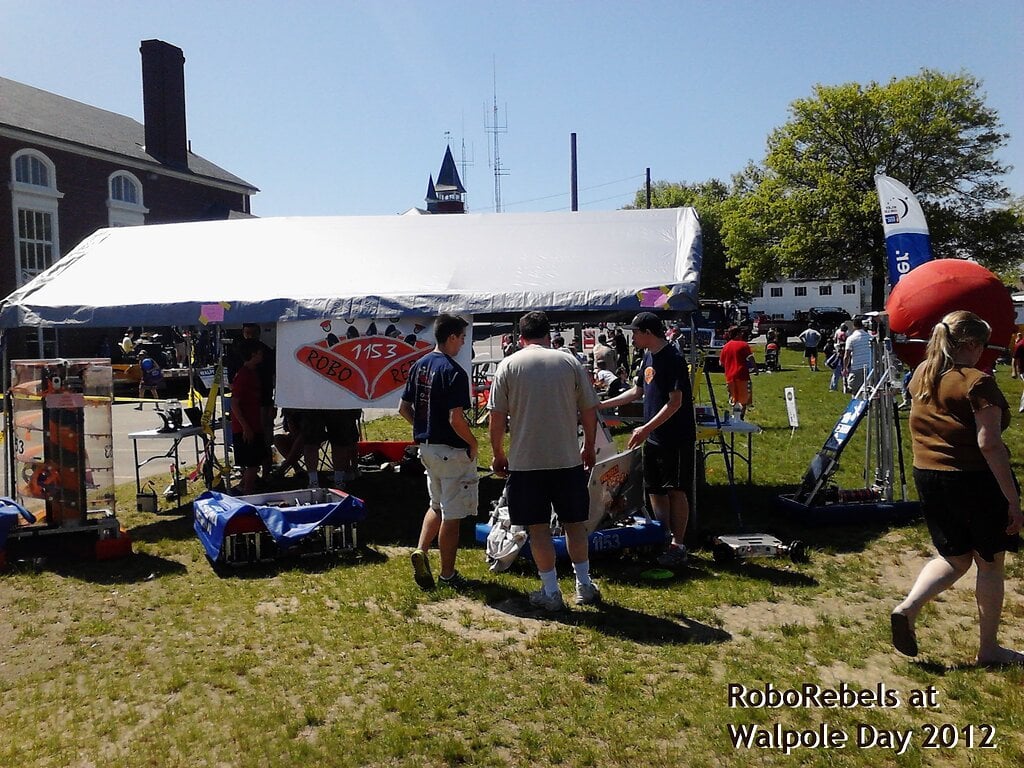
{"x":857,"y":357}
{"x":811,"y":338}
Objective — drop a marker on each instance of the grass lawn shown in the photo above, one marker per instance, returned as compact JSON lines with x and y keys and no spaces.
{"x":156,"y":661}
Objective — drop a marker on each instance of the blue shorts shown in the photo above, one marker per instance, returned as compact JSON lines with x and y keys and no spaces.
{"x":532,"y":495}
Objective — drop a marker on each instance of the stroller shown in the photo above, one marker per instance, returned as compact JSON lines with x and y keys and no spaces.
{"x":771,"y":356}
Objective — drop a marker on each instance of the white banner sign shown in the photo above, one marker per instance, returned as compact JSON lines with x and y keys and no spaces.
{"x":794,"y":421}
{"x":363,"y":363}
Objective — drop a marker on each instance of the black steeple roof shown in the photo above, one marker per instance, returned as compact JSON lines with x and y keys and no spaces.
{"x":448,"y":181}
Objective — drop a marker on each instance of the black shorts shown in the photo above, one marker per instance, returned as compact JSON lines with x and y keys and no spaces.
{"x":668,"y":468}
{"x":532,"y":494}
{"x":810,"y":351}
{"x":337,"y":427}
{"x":965,"y":512}
{"x":250,"y":454}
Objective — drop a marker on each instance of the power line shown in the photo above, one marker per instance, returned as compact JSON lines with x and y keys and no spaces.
{"x":585,"y":189}
{"x":593,"y":202}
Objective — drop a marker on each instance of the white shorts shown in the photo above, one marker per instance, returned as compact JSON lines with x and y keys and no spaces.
{"x":452,"y":481}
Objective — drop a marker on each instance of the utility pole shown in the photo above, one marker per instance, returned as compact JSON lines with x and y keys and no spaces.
{"x":574,"y":198}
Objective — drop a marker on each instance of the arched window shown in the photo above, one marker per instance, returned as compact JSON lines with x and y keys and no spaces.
{"x":34,"y":200}
{"x":31,"y":169}
{"x":124,"y":200}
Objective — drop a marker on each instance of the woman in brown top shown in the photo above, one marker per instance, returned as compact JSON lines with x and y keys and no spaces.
{"x":969,"y":496}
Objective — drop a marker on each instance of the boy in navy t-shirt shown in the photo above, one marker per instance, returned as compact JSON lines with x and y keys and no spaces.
{"x":435,"y":400}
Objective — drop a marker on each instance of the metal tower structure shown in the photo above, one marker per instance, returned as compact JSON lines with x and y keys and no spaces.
{"x":494,"y":152}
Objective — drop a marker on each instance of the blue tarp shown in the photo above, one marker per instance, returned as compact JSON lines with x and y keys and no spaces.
{"x":8,"y":519}
{"x":10,"y":511}
{"x":286,"y":525}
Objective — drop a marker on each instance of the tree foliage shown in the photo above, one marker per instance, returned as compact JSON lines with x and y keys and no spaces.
{"x":811,"y":209}
{"x":718,"y":280}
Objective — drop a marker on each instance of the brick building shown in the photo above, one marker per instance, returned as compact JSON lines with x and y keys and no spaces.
{"x":73,"y":168}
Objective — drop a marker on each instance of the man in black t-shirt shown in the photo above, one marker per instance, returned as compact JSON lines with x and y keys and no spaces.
{"x":668,"y":433}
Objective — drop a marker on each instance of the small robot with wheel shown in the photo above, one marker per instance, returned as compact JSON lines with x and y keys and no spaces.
{"x":727,"y":549}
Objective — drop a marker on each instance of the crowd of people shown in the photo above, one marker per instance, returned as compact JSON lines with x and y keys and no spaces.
{"x":540,"y":398}
{"x":544,"y":395}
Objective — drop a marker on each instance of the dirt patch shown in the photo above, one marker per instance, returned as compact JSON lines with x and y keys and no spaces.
{"x":877,"y":666}
{"x":765,"y":618}
{"x":481,"y":623}
{"x":947,"y":626}
{"x":277,"y":607}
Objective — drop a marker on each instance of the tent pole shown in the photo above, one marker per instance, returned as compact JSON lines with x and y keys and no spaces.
{"x":225,"y":424}
{"x":8,"y":420}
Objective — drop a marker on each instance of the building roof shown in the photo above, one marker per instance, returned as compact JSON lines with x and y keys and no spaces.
{"x":49,"y":115}
{"x":448,"y":180}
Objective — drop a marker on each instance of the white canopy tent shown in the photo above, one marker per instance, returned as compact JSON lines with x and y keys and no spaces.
{"x":274,"y":269}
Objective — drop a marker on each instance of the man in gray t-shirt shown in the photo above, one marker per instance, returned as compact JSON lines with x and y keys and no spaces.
{"x":541,"y":394}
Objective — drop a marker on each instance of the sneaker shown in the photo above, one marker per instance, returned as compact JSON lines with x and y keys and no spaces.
{"x":551,"y":603}
{"x":587,"y":594}
{"x":456,"y":581}
{"x":421,"y":570}
{"x":673,"y":556}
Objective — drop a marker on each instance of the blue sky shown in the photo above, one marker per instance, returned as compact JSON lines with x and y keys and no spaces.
{"x":341,"y":108}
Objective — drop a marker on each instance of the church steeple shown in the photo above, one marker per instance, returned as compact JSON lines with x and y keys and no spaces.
{"x":446,"y":195}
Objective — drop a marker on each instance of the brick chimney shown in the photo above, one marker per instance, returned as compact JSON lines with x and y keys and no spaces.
{"x":163,"y":100}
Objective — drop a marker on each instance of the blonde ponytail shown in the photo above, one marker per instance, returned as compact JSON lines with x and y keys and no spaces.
{"x":948,"y":335}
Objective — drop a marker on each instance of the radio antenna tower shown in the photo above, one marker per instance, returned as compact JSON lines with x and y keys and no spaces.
{"x":494,"y":153}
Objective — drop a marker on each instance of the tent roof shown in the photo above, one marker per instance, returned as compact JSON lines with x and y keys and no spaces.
{"x":273,"y":269}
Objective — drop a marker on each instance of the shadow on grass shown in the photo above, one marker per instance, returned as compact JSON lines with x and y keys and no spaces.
{"x":608,"y":618}
{"x":317,"y":563}
{"x":133,"y":569}
{"x":760,"y":513}
{"x":169,"y":526}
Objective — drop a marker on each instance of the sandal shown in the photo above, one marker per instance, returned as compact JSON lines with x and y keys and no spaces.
{"x":903,"y":639}
{"x":1012,"y":659}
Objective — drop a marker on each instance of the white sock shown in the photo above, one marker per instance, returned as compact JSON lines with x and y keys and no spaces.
{"x":582,"y":573}
{"x":549,"y":581}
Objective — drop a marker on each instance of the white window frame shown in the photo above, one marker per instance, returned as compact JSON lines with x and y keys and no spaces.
{"x":824,"y":290}
{"x":775,"y":292}
{"x":849,"y":289}
{"x":33,"y":197}
{"x":121,"y":213}
{"x":799,"y":290}
{"x":36,"y":198}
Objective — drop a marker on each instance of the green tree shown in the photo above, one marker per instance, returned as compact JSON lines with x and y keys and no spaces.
{"x":718,"y":280}
{"x":811,"y":209}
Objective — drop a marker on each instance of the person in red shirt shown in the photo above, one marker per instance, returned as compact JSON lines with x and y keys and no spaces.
{"x":737,"y":359}
{"x":246,"y":420}
{"x":1018,"y":365}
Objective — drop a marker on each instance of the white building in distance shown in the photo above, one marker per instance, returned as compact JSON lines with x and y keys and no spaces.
{"x":783,"y":298}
